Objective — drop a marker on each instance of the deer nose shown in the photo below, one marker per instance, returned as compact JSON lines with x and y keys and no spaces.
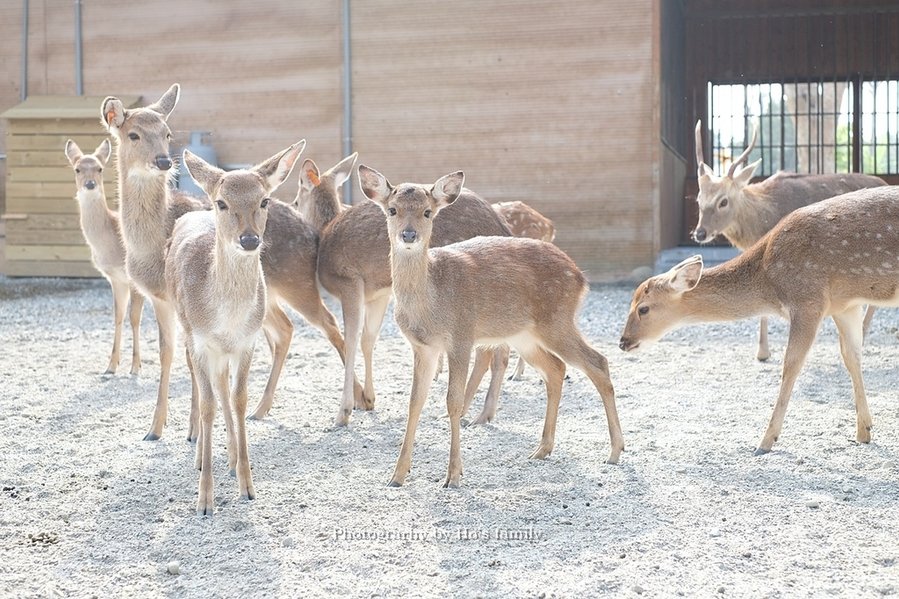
{"x":409,"y":235}
{"x":163,"y":162}
{"x":623,"y":344}
{"x":249,"y":242}
{"x":700,"y":235}
{"x":90,"y":184}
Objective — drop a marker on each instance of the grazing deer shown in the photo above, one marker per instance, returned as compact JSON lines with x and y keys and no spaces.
{"x":826,"y":259}
{"x":214,"y":276}
{"x":149,"y":210}
{"x":452,"y":298}
{"x":353,"y":266}
{"x":102,"y":231}
{"x":743,"y":212}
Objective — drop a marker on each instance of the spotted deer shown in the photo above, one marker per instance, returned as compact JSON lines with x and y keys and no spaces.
{"x":215,"y":280}
{"x":149,"y":210}
{"x":826,"y":259}
{"x":102,"y":231}
{"x":482,"y":291}
{"x":743,"y":212}
{"x":353,"y":266}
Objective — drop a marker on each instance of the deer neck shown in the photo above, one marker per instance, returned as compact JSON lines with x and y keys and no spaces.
{"x":235,"y":275}
{"x":93,"y":212}
{"x":145,"y":198}
{"x":731,"y":291}
{"x":409,"y":270}
{"x":324,"y":208}
{"x":754,"y":215}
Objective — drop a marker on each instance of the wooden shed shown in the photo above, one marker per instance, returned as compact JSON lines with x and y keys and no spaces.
{"x":43,"y":237}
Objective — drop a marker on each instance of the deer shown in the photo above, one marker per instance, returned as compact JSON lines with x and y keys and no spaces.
{"x":353,"y":266}
{"x":825,"y":259}
{"x":451,"y":298}
{"x":149,"y":209}
{"x":743,"y":212}
{"x":102,"y":232}
{"x":214,"y":276}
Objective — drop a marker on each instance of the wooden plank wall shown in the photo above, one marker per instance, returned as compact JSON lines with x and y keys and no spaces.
{"x":554,"y":106}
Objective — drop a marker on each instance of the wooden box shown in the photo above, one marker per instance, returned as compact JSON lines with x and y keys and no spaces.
{"x":43,"y":235}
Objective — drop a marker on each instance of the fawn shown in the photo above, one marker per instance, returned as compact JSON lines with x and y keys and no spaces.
{"x":353,"y":266}
{"x":743,"y":212}
{"x":214,"y":277}
{"x":102,"y":231}
{"x":826,"y":259}
{"x":149,"y":210}
{"x":452,"y":298}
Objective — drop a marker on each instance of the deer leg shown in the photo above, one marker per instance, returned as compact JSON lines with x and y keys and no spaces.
{"x":165,"y":318}
{"x":803,"y":327}
{"x":220,"y":382}
{"x":239,"y":401}
{"x":498,"y":366}
{"x":193,"y":426}
{"x":552,"y":369}
{"x":204,"y":445}
{"x":519,"y":370}
{"x":763,"y":352}
{"x":278,"y":332}
{"x":425,"y":362}
{"x":119,"y":303}
{"x":869,"y":316}
{"x":482,"y":358}
{"x":374,"y":318}
{"x":439,"y":366}
{"x":850,"y":325}
{"x":457,"y":360}
{"x":572,"y":348}
{"x":135,"y":311}
{"x":352,"y":306}
{"x":317,"y":314}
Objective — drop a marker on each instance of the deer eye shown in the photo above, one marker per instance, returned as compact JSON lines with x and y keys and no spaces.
{"x":643,"y":310}
{"x":427,"y":214}
{"x":78,"y":170}
{"x":264,"y":203}
{"x":168,"y":136}
{"x":100,"y":169}
{"x":133,"y":136}
{"x":222,"y":205}
{"x":391,"y":211}
{"x":723,"y":203}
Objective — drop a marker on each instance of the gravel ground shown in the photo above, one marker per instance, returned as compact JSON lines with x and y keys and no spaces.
{"x":87,"y":508}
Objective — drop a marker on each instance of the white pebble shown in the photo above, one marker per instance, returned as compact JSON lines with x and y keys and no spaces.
{"x":174,"y":567}
{"x":813,"y":504}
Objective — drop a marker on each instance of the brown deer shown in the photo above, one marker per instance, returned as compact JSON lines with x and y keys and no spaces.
{"x":743,"y":212}
{"x":215,"y":280}
{"x":452,"y":298}
{"x":102,"y":231}
{"x":149,"y":210}
{"x":353,"y":266}
{"x":827,"y":259}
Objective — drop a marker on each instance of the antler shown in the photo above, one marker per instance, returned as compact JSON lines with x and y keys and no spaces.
{"x":745,"y":154}
{"x":699,"y":159}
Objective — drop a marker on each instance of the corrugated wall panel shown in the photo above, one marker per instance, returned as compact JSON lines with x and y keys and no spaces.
{"x":538,"y":103}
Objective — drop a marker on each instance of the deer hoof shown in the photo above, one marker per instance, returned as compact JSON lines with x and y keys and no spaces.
{"x":151,"y":436}
{"x":761,"y":451}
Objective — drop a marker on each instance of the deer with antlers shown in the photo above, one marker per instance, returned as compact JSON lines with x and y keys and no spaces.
{"x":743,"y":212}
{"x":826,"y":259}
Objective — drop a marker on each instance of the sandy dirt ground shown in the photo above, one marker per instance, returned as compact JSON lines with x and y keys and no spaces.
{"x":89,"y":509}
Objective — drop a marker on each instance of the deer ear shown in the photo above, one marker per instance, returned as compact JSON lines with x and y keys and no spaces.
{"x":166,"y":104}
{"x":277,"y":168}
{"x":206,"y":175}
{"x":375,"y":186}
{"x":73,"y":152}
{"x":310,"y":176}
{"x":447,"y":189}
{"x":742,"y":176}
{"x":112,"y":113}
{"x":704,"y":170}
{"x":685,"y":276}
{"x":343,"y":169}
{"x":103,"y":151}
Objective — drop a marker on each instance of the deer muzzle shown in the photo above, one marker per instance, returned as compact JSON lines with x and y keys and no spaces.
{"x":90,"y":185}
{"x":409,"y":235}
{"x":700,"y":235}
{"x":163,"y":162}
{"x":249,"y":241}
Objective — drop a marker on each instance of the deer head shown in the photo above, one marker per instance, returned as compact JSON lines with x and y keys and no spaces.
{"x":656,"y":306}
{"x":719,"y":197}
{"x":410,"y":207}
{"x":240,"y":198}
{"x":88,"y":167}
{"x":141,"y":134}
